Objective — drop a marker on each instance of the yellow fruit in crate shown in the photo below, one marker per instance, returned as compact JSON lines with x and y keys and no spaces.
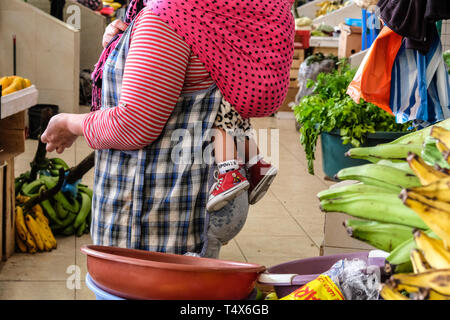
{"x":5,"y":82}
{"x":16,"y":85}
{"x":26,"y":83}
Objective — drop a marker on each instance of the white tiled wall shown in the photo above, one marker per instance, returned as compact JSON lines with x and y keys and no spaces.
{"x":92,"y":27}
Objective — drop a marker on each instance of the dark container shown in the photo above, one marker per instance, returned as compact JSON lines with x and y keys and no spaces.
{"x":34,"y":117}
{"x":333,"y":151}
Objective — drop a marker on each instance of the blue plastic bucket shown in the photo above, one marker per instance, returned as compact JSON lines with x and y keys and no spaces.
{"x":99,"y":293}
{"x":103,"y":295}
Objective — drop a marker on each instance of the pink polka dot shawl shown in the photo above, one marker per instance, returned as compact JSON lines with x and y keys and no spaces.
{"x":246,"y":46}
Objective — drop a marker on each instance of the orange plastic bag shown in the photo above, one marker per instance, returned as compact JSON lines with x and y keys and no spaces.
{"x":372,"y":81}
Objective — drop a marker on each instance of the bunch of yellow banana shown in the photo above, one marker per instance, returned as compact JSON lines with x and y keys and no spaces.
{"x":431,"y":259}
{"x":329,"y":6}
{"x":33,"y":233}
{"x":12,"y":84}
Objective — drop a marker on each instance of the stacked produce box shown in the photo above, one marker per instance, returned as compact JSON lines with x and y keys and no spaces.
{"x":403,"y":197}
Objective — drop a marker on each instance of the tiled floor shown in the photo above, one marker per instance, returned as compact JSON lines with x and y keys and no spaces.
{"x":285,"y":225}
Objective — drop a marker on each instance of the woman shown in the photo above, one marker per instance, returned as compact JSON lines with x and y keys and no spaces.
{"x":162,"y":87}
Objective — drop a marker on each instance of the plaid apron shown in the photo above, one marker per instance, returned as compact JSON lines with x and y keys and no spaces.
{"x":143,"y":199}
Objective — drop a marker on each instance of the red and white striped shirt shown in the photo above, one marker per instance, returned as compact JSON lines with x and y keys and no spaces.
{"x":159,"y":67}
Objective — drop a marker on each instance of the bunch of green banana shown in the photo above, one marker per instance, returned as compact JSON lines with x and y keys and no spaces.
{"x":383,"y":176}
{"x":383,"y":236}
{"x":67,"y":214}
{"x":398,"y":149}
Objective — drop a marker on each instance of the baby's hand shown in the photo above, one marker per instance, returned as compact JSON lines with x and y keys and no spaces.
{"x":112,"y":29}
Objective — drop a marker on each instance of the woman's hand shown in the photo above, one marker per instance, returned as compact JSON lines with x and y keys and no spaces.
{"x":62,"y":131}
{"x":112,"y":29}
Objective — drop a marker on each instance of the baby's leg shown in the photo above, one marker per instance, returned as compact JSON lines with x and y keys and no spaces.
{"x":252,"y":154}
{"x":224,"y":146}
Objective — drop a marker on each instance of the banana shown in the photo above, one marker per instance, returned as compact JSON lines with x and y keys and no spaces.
{"x":384,"y":151}
{"x":418,"y":137}
{"x":442,"y":148}
{"x":418,"y":261}
{"x":426,"y":174}
{"x":433,"y":250}
{"x":380,"y":175}
{"x":61,"y":211}
{"x":45,"y":228}
{"x":435,"y":218}
{"x":441,"y":134}
{"x":401,"y":254}
{"x":399,"y":164}
{"x":431,"y":154}
{"x":379,"y":207}
{"x":59,"y":162}
{"x":21,"y":246}
{"x":354,"y":188}
{"x":438,"y":190}
{"x":39,"y":213}
{"x":416,"y":293}
{"x":437,"y":280}
{"x":442,"y":205}
{"x":383,"y":236}
{"x":21,"y":228}
{"x":48,"y":244}
{"x":34,"y":230}
{"x":21,"y":198}
{"x":389,"y":293}
{"x":23,"y":232}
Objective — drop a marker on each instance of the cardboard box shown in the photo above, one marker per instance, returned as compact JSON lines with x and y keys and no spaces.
{"x":349,"y":41}
{"x":7,"y":200}
{"x":296,"y":63}
{"x":294,"y":74}
{"x":290,"y":97}
{"x":299,"y":54}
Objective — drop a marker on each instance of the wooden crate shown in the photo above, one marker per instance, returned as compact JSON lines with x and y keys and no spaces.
{"x":1,"y":213}
{"x":12,"y":131}
{"x":7,"y":200}
{"x":12,"y":143}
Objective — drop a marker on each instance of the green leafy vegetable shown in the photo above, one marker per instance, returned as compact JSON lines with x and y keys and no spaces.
{"x":330,"y":108}
{"x":447,"y":60}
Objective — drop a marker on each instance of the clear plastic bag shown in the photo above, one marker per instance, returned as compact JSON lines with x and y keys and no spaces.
{"x":310,"y":71}
{"x":355,"y":279}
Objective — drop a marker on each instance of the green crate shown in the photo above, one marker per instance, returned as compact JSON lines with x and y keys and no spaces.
{"x":333,"y":151}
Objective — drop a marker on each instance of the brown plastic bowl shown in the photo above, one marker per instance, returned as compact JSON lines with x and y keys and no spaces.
{"x":139,"y":274}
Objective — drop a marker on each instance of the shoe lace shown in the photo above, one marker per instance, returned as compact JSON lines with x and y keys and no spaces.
{"x":219,"y":181}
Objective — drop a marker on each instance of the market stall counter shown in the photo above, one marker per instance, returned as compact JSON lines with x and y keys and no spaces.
{"x":12,"y":131}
